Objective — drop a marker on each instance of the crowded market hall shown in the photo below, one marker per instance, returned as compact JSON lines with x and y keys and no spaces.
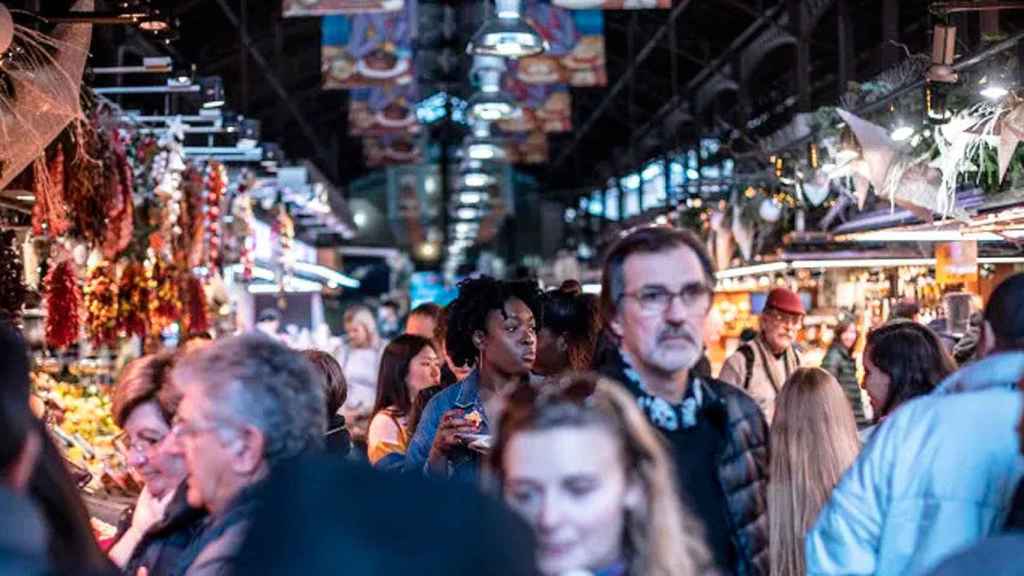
{"x":511,"y":287}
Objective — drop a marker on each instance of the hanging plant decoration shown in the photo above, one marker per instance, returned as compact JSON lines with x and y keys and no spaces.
{"x":198,"y":319}
{"x":119,"y":183}
{"x":165,"y":306}
{"x":50,"y":213}
{"x":101,"y":303}
{"x":88,"y":196}
{"x":194,"y":217}
{"x":63,"y":299}
{"x":133,"y":297}
{"x":13,"y":291}
{"x":216,"y":185}
{"x":167,"y":170}
{"x":241,"y":228}
{"x":284,"y":229}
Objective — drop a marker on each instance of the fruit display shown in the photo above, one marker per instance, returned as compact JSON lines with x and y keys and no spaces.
{"x":79,"y":416}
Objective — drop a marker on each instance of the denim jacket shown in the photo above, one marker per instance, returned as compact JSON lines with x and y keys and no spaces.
{"x":463,"y":464}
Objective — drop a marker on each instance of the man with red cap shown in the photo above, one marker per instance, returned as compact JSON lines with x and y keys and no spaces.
{"x":762,"y":366}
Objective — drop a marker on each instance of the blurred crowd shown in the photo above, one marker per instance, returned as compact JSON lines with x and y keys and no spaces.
{"x":520,"y":431}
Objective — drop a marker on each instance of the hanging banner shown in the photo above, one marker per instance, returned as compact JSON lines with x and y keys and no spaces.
{"x":389,"y":149}
{"x":386,"y":110}
{"x":530,"y":148}
{"x":612,"y":4}
{"x":368,"y":49}
{"x":545,"y":108}
{"x":956,"y":262}
{"x":576,"y":38}
{"x":292,"y":8}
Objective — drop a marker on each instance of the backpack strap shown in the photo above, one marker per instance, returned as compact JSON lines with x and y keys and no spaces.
{"x":748,"y":356}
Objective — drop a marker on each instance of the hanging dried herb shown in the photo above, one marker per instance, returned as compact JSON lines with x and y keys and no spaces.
{"x":119,"y":183}
{"x":198,"y":317}
{"x":192,"y":218}
{"x":12,"y":285}
{"x":50,"y":213}
{"x":165,"y":305}
{"x":101,"y":300}
{"x":63,"y":302}
{"x":216,"y":186}
{"x":87,"y":192}
{"x":133,"y":297}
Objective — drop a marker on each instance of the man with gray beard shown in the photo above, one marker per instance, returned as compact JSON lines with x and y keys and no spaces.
{"x":656,"y":292}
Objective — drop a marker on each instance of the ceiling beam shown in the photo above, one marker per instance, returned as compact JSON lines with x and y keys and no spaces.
{"x":329,"y":166}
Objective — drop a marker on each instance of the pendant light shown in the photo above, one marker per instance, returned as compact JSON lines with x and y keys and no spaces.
{"x":491,"y":103}
{"x":507,"y":34}
{"x":480,"y":145}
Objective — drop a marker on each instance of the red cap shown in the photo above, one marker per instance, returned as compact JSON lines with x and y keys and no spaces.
{"x":784,"y":300}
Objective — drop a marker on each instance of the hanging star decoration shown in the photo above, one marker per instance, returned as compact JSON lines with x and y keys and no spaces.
{"x":925,"y":188}
{"x":743,"y":232}
{"x":720,"y":241}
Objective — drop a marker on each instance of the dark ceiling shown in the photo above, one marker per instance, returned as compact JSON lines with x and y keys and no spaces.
{"x":662,"y":67}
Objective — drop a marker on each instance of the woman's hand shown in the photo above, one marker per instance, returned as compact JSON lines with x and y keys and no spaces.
{"x":448,"y":437}
{"x":148,"y":511}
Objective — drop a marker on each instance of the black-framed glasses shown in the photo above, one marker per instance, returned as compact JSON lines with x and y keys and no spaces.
{"x":657,"y":299}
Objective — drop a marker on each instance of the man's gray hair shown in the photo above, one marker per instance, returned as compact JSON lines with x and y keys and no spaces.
{"x":260,"y":382}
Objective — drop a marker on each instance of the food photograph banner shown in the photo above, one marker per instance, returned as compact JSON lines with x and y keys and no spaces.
{"x":390,"y":149}
{"x":364,"y":50}
{"x":612,"y":4}
{"x":293,"y":8}
{"x":576,"y":38}
{"x":529,"y":148}
{"x":384,"y":110}
{"x":546,"y":108}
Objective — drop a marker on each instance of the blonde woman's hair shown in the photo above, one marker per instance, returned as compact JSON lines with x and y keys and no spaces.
{"x":661,"y":538}
{"x":360,"y":314}
{"x":814,"y":440}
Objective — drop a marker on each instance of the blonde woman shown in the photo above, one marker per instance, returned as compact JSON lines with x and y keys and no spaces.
{"x":814,"y":440}
{"x":581,"y":463}
{"x":360,"y":362}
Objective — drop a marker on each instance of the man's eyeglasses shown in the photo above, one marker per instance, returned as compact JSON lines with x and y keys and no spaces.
{"x":657,"y":299}
{"x":783,"y":318}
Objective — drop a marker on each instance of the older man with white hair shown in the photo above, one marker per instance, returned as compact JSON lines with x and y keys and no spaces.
{"x":249,"y":403}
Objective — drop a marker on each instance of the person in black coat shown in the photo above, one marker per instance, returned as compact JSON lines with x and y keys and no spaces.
{"x":839,"y":362}
{"x":324,"y":516}
{"x":337,"y":439}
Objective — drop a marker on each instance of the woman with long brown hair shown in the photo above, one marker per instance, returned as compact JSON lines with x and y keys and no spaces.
{"x":408,"y":366}
{"x":580,"y":462}
{"x":841,"y":362}
{"x":814,"y":440}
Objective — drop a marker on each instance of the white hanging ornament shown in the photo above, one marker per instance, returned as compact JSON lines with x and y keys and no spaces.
{"x":744,"y":234}
{"x":770,"y":210}
{"x":816,"y":190}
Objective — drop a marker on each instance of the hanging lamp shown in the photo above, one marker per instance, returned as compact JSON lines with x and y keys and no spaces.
{"x":491,"y":103}
{"x":507,"y":34}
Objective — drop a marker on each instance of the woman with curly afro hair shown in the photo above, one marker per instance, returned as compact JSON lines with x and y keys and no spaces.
{"x":492,"y":327}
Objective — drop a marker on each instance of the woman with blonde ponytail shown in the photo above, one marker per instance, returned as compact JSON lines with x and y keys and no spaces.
{"x":814,"y":440}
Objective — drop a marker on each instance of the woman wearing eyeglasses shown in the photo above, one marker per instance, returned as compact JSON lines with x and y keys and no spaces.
{"x":580,"y":462}
{"x":162,"y":523}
